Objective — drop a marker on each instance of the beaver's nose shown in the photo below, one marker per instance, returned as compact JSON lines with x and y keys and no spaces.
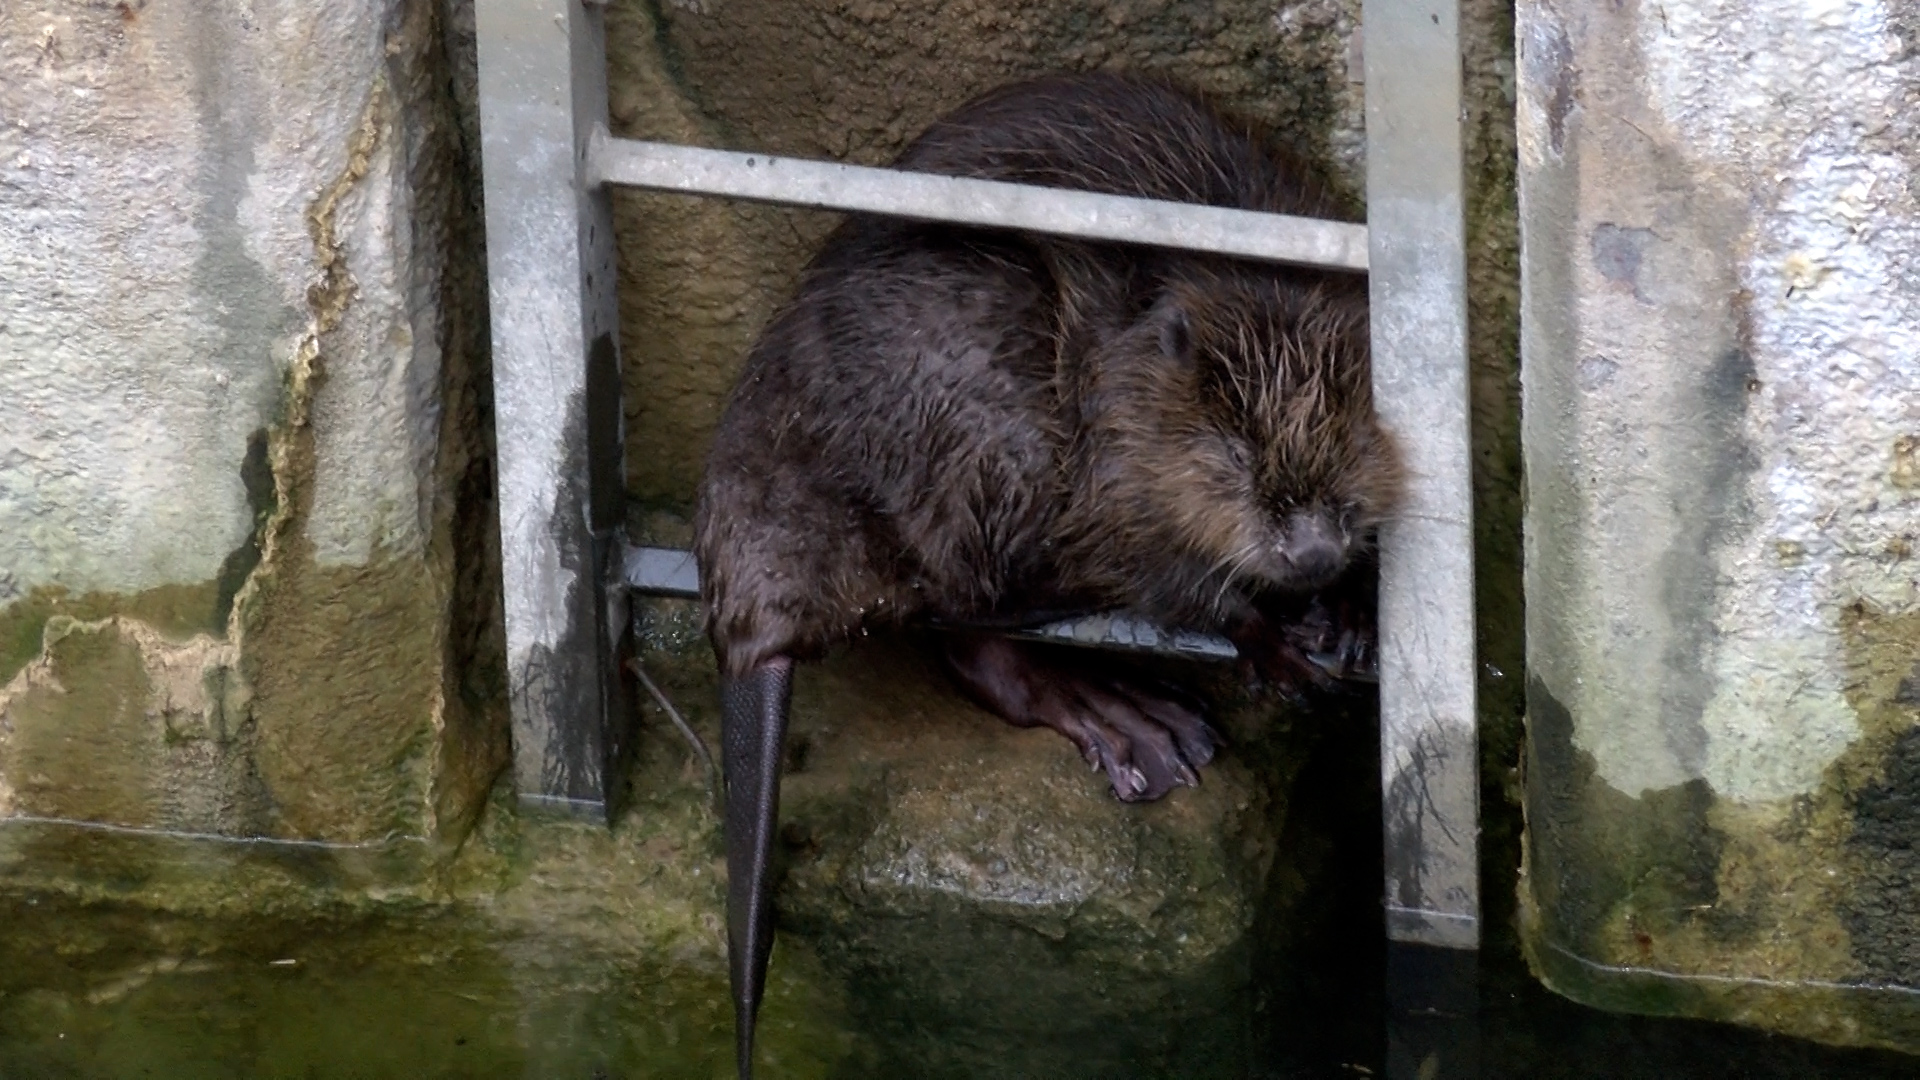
{"x":1314,"y":549}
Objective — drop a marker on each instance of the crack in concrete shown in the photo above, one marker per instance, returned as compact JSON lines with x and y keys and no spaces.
{"x":289,"y":447}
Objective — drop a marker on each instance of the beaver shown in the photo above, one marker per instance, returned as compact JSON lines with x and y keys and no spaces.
{"x":984,"y":427}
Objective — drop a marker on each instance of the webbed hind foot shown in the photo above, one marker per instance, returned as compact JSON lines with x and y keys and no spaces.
{"x":1148,"y":741}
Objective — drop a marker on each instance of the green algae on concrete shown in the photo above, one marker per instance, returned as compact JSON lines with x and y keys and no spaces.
{"x":1493,"y":331}
{"x":328,"y":723}
{"x":545,"y":947}
{"x":119,"y":991}
{"x":178,"y":611}
{"x":79,"y":742}
{"x":481,"y":977}
{"x":1876,"y":788}
{"x":119,"y":724}
{"x":344,"y":663}
{"x":1797,"y":915}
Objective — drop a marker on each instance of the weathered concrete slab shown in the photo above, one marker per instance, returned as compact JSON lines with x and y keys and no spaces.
{"x":1723,"y":598}
{"x":236,"y":410}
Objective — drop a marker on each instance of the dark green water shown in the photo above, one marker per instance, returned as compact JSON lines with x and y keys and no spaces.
{"x":410,"y":989}
{"x":105,"y":992}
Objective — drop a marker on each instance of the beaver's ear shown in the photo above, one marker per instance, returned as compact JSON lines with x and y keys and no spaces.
{"x":1176,"y":334}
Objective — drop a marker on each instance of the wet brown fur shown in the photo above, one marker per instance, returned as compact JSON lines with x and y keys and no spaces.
{"x":980,"y":425}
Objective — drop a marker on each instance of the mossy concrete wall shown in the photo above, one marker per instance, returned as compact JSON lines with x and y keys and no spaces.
{"x":244,"y":584}
{"x":246,"y":578}
{"x":1721,"y":217}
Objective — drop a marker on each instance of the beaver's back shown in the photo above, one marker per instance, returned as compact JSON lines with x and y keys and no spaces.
{"x":900,"y":438}
{"x":1118,"y":135}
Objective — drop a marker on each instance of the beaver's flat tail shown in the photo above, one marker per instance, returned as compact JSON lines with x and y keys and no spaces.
{"x":753,"y":728}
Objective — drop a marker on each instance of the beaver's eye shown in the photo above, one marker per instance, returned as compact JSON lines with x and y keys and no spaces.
{"x":1176,"y":336}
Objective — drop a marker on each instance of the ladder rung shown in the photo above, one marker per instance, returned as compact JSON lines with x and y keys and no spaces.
{"x":823,"y":185}
{"x":671,"y":572}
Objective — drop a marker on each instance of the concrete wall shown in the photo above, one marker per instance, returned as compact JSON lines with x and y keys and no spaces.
{"x":243,"y":470}
{"x":1721,"y":218}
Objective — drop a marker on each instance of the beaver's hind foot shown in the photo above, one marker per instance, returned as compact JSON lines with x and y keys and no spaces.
{"x":1147,"y":741}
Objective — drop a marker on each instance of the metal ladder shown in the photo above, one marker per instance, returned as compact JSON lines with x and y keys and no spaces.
{"x":548,"y":164}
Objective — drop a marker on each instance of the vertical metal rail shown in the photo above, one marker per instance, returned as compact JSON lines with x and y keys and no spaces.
{"x":556,"y":363}
{"x":1429,"y":754}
